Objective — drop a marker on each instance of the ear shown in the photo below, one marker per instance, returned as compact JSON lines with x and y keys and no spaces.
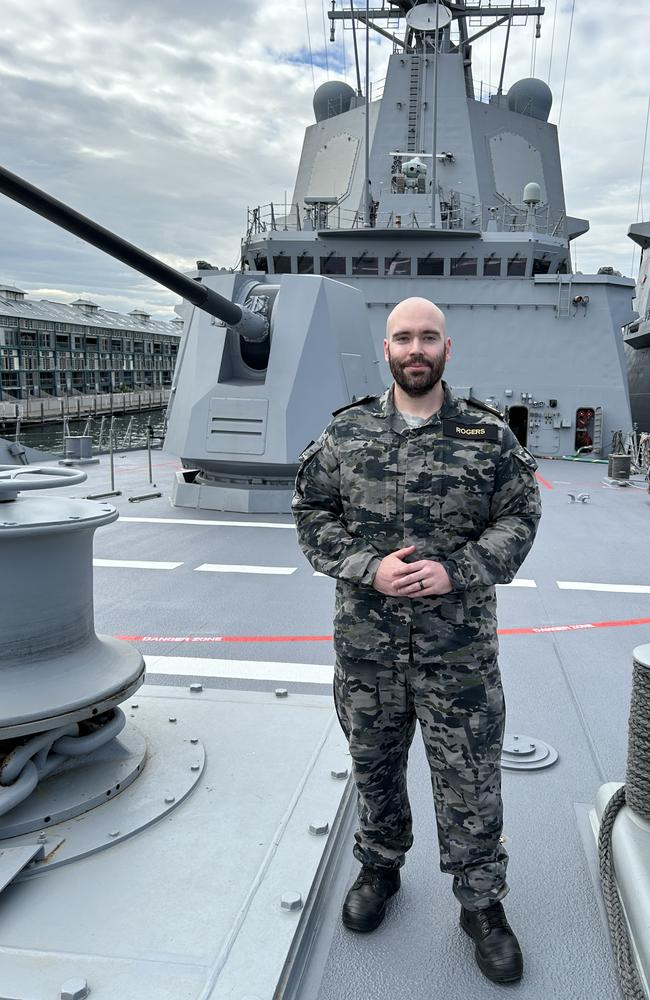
{"x":385,"y":350}
{"x":447,"y":348}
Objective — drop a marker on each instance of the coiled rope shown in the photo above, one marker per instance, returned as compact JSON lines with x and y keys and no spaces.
{"x":636,"y":794}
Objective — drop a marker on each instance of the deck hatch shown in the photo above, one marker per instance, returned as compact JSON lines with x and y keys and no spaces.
{"x":237,"y":426}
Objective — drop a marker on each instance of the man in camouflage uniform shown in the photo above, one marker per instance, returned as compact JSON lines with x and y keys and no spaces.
{"x":418,"y":503}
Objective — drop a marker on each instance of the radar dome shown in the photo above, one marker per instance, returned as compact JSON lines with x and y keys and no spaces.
{"x":332,"y":98}
{"x":530,"y":97}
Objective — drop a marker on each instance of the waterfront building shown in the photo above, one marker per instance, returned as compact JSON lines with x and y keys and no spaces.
{"x":48,"y":348}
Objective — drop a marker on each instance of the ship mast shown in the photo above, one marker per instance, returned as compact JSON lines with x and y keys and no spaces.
{"x":491,"y":17}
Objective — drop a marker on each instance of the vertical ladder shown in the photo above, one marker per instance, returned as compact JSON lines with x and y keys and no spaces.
{"x":563,"y":308}
{"x":414,"y":105}
{"x":598,"y":431}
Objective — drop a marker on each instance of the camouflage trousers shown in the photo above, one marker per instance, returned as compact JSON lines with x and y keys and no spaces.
{"x":460,"y":707}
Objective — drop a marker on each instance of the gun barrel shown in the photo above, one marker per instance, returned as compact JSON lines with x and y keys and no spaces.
{"x":79,"y":225}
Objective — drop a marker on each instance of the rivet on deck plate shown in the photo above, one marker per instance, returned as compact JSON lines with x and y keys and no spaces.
{"x":339,"y":773}
{"x":114,"y":833}
{"x":319,"y":827}
{"x":169,"y":799}
{"x":195,"y":767}
{"x":74,"y":989}
{"x":281,"y":692}
{"x":172,"y":718}
{"x":196,"y":688}
{"x":194,"y":740}
{"x":291,"y":901}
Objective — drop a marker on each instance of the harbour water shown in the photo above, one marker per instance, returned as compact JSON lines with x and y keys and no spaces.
{"x":129,"y":431}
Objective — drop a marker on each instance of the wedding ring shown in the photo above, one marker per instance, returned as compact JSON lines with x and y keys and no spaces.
{"x":421,"y":584}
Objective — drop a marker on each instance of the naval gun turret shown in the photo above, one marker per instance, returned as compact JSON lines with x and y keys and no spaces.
{"x":263,"y":361}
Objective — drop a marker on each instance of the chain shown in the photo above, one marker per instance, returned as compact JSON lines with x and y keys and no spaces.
{"x":24,"y":766}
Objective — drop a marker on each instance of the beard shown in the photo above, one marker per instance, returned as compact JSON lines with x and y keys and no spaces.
{"x":417,"y":383}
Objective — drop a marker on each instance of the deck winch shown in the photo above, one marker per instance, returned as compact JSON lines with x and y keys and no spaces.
{"x":60,"y":683}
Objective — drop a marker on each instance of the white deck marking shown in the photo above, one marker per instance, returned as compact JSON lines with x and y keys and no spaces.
{"x":610,"y":588}
{"x":227,"y":568}
{"x":258,"y":670}
{"x":135,"y":564}
{"x":220,"y":524}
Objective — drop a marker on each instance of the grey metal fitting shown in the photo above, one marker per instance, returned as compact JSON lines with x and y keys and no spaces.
{"x":319,"y":827}
{"x":169,"y":799}
{"x":340,"y":773}
{"x":252,"y":326}
{"x":74,"y":989}
{"x":291,"y":901}
{"x":281,"y":693}
{"x":196,"y":688}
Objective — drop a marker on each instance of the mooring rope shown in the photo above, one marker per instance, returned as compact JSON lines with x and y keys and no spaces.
{"x":636,"y":794}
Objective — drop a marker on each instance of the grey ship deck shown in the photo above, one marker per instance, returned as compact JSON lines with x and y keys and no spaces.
{"x":569,"y":687}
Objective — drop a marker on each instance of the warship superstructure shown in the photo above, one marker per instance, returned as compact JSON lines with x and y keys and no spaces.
{"x":459,"y":199}
{"x":637,"y":334}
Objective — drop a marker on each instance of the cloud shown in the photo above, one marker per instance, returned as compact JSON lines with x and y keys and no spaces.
{"x":164,"y":125}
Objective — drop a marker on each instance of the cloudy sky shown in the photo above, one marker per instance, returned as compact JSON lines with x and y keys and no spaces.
{"x":163,"y":120}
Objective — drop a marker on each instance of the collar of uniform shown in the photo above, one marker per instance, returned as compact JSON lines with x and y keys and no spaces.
{"x":387,"y":408}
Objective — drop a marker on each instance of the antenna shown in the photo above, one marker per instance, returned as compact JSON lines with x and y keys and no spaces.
{"x":428,"y":17}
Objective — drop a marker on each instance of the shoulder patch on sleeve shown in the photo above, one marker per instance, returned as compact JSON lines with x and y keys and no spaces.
{"x":355,"y":402}
{"x":309,"y":451}
{"x":484,"y":406}
{"x":525,"y":457}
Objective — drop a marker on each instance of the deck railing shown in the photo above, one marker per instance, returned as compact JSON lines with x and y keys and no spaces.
{"x":455,"y":214}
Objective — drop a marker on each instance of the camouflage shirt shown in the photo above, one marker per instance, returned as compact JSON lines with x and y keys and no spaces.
{"x":459,"y":487}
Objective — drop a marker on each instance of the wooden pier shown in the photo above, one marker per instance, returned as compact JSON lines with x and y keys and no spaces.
{"x":41,"y":410}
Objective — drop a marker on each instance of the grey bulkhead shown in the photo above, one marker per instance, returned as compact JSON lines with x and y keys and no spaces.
{"x":637,"y":339}
{"x":518,"y":340}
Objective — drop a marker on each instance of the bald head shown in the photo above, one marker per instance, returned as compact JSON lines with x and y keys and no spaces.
{"x":415,"y":313}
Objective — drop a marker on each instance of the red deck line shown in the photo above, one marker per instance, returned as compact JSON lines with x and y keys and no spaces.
{"x":529,"y":630}
{"x":544,"y":482}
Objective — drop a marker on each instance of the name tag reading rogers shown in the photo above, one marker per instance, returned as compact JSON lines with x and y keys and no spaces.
{"x":470,"y":432}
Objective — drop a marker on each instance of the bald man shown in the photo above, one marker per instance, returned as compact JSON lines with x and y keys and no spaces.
{"x":418,"y":503}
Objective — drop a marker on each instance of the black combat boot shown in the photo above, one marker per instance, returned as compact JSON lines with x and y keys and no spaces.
{"x":365,"y":904}
{"x":497,"y":950}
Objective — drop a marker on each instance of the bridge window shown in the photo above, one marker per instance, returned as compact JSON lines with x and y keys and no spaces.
{"x":332,"y":265}
{"x":305,"y":264}
{"x":541,"y":266}
{"x":431,"y":266}
{"x":397,"y":266}
{"x":492,"y":267}
{"x":282,"y":264}
{"x":516,"y":267}
{"x":365,"y":265}
{"x":463,"y":265}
